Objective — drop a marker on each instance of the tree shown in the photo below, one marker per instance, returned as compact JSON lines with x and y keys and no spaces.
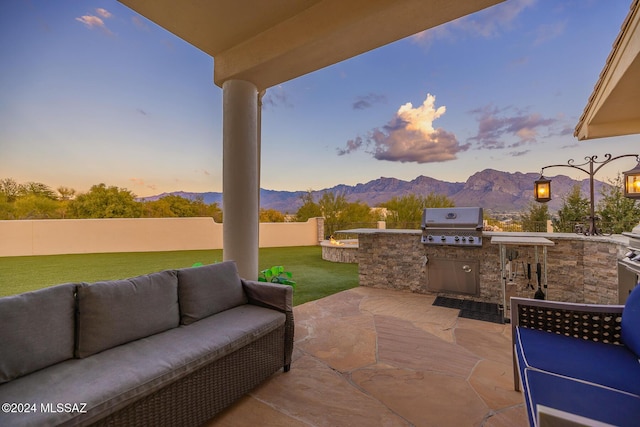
{"x":406,"y":211}
{"x":214,"y":211}
{"x":66,"y":193}
{"x":271,"y":215}
{"x":172,"y":206}
{"x":6,"y":208}
{"x":38,"y":189}
{"x":309,"y":208}
{"x":331,"y":206}
{"x":10,"y":188}
{"x":433,"y":200}
{"x":618,"y":213}
{"x":357,"y":213}
{"x":36,"y":206}
{"x":535,"y":219}
{"x":105,"y":202}
{"x":336,"y":211}
{"x":575,"y":208}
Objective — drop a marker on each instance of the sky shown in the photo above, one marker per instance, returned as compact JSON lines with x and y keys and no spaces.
{"x":91,"y":92}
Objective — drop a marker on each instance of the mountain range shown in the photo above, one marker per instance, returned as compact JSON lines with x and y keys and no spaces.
{"x":495,"y":191}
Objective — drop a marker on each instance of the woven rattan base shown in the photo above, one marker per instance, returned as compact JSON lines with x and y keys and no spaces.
{"x":196,"y":398}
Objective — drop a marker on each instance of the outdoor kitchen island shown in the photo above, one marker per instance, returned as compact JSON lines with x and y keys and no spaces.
{"x":580,"y":269}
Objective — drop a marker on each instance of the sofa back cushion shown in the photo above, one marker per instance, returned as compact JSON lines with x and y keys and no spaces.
{"x":36,"y":330}
{"x":630,"y":322}
{"x":208,"y":290}
{"x":118,"y":311}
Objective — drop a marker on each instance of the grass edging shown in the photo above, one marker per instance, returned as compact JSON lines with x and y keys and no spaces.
{"x":315,"y":277}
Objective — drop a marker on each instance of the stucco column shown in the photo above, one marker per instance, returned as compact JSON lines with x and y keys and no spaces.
{"x":240,"y":176}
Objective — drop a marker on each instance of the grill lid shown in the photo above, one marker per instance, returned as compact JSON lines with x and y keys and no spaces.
{"x":634,"y":237}
{"x":452,"y":218}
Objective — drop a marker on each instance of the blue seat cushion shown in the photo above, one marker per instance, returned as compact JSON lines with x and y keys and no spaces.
{"x":631,"y":322}
{"x":609,"y":365}
{"x":584,"y":399}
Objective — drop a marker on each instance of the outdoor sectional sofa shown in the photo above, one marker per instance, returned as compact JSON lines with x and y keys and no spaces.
{"x":171,"y":348}
{"x":578,"y":362}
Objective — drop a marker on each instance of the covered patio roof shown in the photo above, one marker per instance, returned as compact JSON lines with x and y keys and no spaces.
{"x":258,"y":44}
{"x":613,"y":108}
{"x":270,"y":42}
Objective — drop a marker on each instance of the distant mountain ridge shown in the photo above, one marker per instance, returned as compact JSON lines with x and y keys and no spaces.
{"x":490,"y":189}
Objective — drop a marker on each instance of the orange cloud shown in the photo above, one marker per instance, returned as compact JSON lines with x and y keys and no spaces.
{"x":92,"y":21}
{"x":410,"y":137}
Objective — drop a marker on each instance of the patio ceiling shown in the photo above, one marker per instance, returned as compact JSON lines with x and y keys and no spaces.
{"x":270,"y":42}
{"x":613,"y":108}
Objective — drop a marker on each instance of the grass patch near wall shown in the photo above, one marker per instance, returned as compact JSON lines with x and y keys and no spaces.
{"x":315,"y":277}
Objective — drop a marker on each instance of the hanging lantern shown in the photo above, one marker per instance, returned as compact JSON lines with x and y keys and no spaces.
{"x":632,"y":182}
{"x":542,"y":190}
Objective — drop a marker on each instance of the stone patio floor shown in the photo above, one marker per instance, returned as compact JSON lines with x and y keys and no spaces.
{"x":375,"y":357}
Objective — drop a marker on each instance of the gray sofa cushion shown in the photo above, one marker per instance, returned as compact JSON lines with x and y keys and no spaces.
{"x":116,"y":312}
{"x":36,"y":330}
{"x":208,"y":290}
{"x":114,"y":378}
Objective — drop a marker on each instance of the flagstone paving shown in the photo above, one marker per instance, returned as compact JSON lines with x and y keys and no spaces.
{"x":376,"y":357}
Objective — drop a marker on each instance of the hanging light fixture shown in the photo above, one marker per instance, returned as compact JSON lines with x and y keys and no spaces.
{"x":542,"y":189}
{"x":632,"y":182}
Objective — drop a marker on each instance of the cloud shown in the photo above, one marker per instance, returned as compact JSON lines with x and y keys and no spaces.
{"x":487,"y":23}
{"x":139,"y":23}
{"x":352,"y":145}
{"x":496,"y":128}
{"x":169,"y":45}
{"x":410,"y":137}
{"x":547,"y":32}
{"x":140,"y":182}
{"x":104,"y":13}
{"x":93,"y":21}
{"x":368,"y":101}
{"x":275,"y":97}
{"x":574,"y":145}
{"x":519,"y":153}
{"x":521,"y":61}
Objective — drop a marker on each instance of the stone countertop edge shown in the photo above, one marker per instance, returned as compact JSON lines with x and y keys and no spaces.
{"x":614,"y":238}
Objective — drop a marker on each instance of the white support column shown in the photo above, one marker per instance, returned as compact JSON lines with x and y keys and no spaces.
{"x":240,"y":176}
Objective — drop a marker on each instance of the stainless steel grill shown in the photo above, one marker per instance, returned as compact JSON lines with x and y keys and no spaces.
{"x":452,"y":226}
{"x":629,"y":266}
{"x":632,"y":257}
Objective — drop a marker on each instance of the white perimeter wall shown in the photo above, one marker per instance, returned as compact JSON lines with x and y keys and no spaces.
{"x":73,"y":236}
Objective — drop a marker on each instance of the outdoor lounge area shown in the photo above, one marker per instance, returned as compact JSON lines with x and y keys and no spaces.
{"x":367,"y":356}
{"x":377,"y":357}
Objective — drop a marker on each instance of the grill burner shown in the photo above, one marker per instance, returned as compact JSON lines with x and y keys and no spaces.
{"x":452,"y":226}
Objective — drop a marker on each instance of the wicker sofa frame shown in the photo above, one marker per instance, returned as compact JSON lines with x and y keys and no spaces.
{"x":593,"y":322}
{"x":198,"y":397}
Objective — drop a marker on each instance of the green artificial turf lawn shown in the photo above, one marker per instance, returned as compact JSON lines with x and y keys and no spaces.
{"x":315,"y":277}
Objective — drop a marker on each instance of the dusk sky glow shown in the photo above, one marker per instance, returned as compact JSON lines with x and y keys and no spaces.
{"x":91,"y":92}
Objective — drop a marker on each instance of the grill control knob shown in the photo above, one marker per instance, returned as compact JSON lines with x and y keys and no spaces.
{"x":457,"y":238}
{"x":443,"y":238}
{"x":429,"y":237}
{"x":464,"y":239}
{"x":470,"y":239}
